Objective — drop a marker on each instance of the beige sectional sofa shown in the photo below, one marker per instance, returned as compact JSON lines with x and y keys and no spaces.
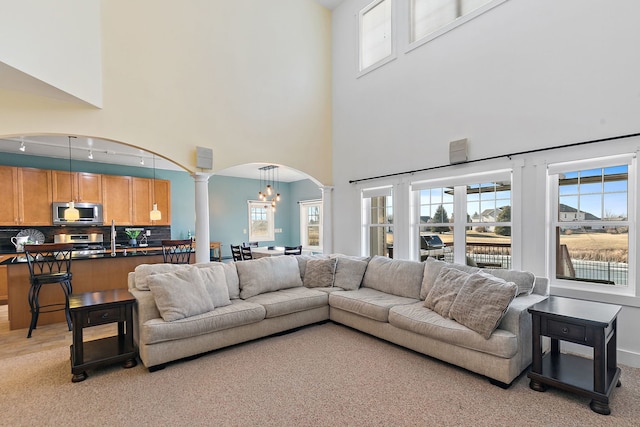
{"x":455,"y":313}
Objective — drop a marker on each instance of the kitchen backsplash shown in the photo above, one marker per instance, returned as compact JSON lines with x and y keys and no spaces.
{"x":157,"y":234}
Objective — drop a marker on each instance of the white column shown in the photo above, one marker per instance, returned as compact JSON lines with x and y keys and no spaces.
{"x":202,"y":216}
{"x":327,"y":219}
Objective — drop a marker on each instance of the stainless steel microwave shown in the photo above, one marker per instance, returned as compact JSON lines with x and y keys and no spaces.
{"x":90,"y":214}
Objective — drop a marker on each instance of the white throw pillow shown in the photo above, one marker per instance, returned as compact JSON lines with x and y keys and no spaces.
{"x":216,"y":284}
{"x":143,"y":271}
{"x":268,"y":274}
{"x":180,"y":294}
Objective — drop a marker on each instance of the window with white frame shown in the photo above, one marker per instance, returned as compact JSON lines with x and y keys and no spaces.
{"x":377,"y":222}
{"x":311,"y":225}
{"x":433,"y":17}
{"x":591,"y":218}
{"x":261,"y":222}
{"x":376,"y":34}
{"x":467,"y":221}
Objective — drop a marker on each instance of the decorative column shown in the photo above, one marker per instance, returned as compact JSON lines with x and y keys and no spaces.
{"x":327,"y":219}
{"x":202,"y":216}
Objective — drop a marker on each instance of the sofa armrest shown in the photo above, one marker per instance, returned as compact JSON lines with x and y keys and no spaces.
{"x":146,"y":309}
{"x":517,"y":316}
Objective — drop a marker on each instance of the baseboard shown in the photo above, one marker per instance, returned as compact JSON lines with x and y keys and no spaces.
{"x":629,"y":358}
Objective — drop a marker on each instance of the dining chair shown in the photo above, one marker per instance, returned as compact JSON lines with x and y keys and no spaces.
{"x":49,"y":264}
{"x":250,"y":244}
{"x":236,"y":252}
{"x":177,"y":251}
{"x":293,"y":250}
{"x":246,"y":253}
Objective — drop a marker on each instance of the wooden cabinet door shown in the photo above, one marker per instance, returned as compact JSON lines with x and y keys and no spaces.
{"x":89,"y":187}
{"x":9,"y":189}
{"x":141,"y":201}
{"x":62,"y":183}
{"x":163,"y":200}
{"x":35,"y":196}
{"x":117,"y":199}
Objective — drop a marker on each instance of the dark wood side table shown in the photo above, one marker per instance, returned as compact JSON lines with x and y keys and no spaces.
{"x":587,"y":323}
{"x":99,"y":308}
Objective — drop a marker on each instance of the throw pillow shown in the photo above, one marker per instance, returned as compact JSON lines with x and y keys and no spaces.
{"x":267,"y":275}
{"x":482,"y":303}
{"x":215,"y":282}
{"x":319,"y":273}
{"x":302,"y":262}
{"x":349,"y":272}
{"x":180,"y":294}
{"x":445,"y":289}
{"x":143,"y":271}
{"x":432,"y":269}
{"x":523,"y":279}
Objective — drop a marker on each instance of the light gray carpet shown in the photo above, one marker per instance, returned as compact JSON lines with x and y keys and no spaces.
{"x":325,"y":375}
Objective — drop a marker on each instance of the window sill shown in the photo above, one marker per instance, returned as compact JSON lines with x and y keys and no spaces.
{"x":594,"y":295}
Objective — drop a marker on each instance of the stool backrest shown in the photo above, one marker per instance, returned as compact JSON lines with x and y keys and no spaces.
{"x":48,"y":258}
{"x":293,"y":250}
{"x":177,"y":251}
{"x":236,"y":252}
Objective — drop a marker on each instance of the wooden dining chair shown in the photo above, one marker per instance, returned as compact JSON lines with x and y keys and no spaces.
{"x":236,"y":252}
{"x":293,"y":250}
{"x":177,"y":251}
{"x":246,"y":253}
{"x":250,"y":244}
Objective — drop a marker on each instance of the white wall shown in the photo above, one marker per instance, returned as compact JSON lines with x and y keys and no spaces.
{"x":525,"y":75}
{"x":249,"y":79}
{"x":52,"y":48}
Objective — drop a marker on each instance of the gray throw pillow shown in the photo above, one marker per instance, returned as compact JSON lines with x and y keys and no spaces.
{"x":302,"y":261}
{"x":445,"y":290}
{"x":143,"y":271}
{"x":482,"y":303}
{"x":180,"y":294}
{"x":215,"y":282}
{"x":523,"y":279}
{"x":432,"y":269}
{"x":394,"y":276}
{"x":349,"y":272}
{"x":319,"y":273}
{"x":268,"y":274}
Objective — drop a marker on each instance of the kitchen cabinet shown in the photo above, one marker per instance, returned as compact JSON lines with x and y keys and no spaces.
{"x":34,"y":192}
{"x":143,"y":198}
{"x":117,"y":199}
{"x":27,"y":198}
{"x":9,"y":190}
{"x":87,"y":187}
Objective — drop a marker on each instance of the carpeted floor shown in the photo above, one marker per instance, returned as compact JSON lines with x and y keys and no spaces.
{"x":324,"y":375}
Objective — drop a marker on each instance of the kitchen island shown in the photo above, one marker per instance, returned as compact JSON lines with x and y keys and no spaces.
{"x":96,"y":272}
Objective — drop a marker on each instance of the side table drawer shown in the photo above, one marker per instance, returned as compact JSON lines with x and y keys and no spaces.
{"x":109,"y":315}
{"x":567,"y":331}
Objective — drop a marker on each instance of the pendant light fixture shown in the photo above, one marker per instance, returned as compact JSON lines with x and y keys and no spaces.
{"x":269,"y":172}
{"x":155,"y":214}
{"x":71,"y":213}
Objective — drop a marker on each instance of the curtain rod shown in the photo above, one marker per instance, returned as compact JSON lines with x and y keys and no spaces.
{"x":519,"y":153}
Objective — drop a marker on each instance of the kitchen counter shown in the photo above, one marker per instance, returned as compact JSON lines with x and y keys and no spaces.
{"x":91,"y":273}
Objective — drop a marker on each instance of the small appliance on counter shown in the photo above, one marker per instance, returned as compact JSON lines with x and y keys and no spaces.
{"x":25,"y":237}
{"x":83,"y":244}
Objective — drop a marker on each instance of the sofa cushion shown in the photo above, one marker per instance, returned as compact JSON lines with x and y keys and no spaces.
{"x":523,"y":279}
{"x":350,"y":271}
{"x":482,"y":302}
{"x":302,"y":262}
{"x":319,"y":273}
{"x":367,"y":302}
{"x":143,"y":271}
{"x":215,"y":282}
{"x":180,"y":294}
{"x":423,"y":321}
{"x":394,"y":276}
{"x":267,"y":274}
{"x":237,"y":313}
{"x":445,"y":290}
{"x":432,"y":269}
{"x":292,"y":300}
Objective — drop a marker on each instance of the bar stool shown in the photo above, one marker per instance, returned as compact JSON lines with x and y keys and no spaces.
{"x":49,"y":264}
{"x":177,"y":251}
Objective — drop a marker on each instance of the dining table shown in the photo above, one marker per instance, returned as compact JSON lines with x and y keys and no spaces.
{"x":267,"y":251}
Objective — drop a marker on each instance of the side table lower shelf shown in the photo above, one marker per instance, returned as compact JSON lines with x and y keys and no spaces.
{"x":574,"y":374}
{"x":104,"y":351}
